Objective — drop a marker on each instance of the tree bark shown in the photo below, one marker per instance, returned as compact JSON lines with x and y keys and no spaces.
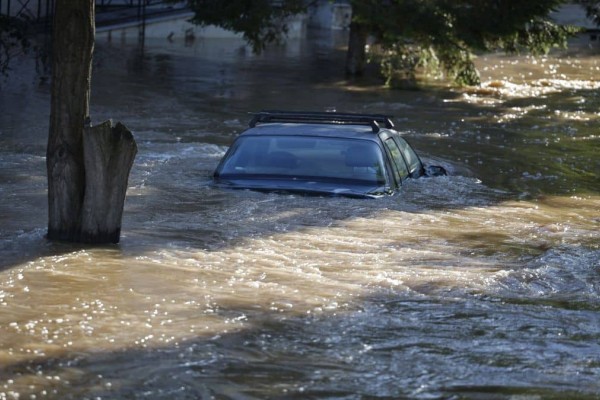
{"x":108,"y":153}
{"x":72,"y":47}
{"x":88,"y":167}
{"x":356,"y":57}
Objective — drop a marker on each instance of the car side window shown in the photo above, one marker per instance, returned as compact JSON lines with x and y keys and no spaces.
{"x":399,"y":166}
{"x":414,"y":163}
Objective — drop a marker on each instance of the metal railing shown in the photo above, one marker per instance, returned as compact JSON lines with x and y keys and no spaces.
{"x":108,"y":12}
{"x":33,"y":10}
{"x":115,"y":12}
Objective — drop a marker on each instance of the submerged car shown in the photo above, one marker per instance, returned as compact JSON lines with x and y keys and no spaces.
{"x":321,"y":153}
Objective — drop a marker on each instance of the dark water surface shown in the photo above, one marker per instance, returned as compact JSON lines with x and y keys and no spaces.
{"x":481,"y":285}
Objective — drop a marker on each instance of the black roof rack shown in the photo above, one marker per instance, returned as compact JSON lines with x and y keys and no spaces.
{"x":372,"y":120}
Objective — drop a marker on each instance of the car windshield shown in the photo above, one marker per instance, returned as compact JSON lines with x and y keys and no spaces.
{"x":304,"y":157}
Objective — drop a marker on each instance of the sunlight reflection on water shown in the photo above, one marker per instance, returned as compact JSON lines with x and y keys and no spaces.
{"x":481,"y":282}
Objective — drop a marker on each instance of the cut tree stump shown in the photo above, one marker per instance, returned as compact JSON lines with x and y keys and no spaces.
{"x":108,"y":157}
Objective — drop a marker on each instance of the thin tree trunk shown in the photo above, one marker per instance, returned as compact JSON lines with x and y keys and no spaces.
{"x":356,"y":58}
{"x":73,"y":44}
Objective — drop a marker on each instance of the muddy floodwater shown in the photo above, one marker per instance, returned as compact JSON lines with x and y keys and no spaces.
{"x":484,"y":284}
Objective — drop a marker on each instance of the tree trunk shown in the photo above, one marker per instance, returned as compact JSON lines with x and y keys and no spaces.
{"x":72,"y":47}
{"x":109,"y":153}
{"x":356,"y":58}
{"x":86,"y":188}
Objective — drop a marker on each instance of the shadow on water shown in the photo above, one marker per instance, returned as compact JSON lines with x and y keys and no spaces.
{"x":400,"y":346}
{"x":551,"y":143}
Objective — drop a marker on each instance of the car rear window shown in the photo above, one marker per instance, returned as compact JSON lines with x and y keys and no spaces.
{"x":304,"y":157}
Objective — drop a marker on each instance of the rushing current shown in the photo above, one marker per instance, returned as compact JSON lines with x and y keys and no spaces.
{"x":484,"y":284}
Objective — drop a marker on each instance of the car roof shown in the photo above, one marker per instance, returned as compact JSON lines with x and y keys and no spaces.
{"x":346,"y":131}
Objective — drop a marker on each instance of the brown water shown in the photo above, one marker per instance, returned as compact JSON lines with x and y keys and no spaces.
{"x":483,"y":284}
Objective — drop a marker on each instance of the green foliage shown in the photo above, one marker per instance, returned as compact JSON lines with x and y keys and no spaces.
{"x":538,"y":37}
{"x":403,"y":62}
{"x":260,"y":21}
{"x":452,"y":30}
{"x":412,"y":36}
{"x":458,"y":65}
{"x":14,"y":38}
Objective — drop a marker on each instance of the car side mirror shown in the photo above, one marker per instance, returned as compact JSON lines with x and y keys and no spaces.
{"x":435,"y":170}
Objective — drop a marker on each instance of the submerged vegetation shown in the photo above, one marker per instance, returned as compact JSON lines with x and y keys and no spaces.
{"x":405,"y":38}
{"x":444,"y":35}
{"x":408,"y":36}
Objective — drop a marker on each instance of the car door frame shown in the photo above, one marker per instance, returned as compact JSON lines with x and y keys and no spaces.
{"x":402,"y":142}
{"x":385,"y":135}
